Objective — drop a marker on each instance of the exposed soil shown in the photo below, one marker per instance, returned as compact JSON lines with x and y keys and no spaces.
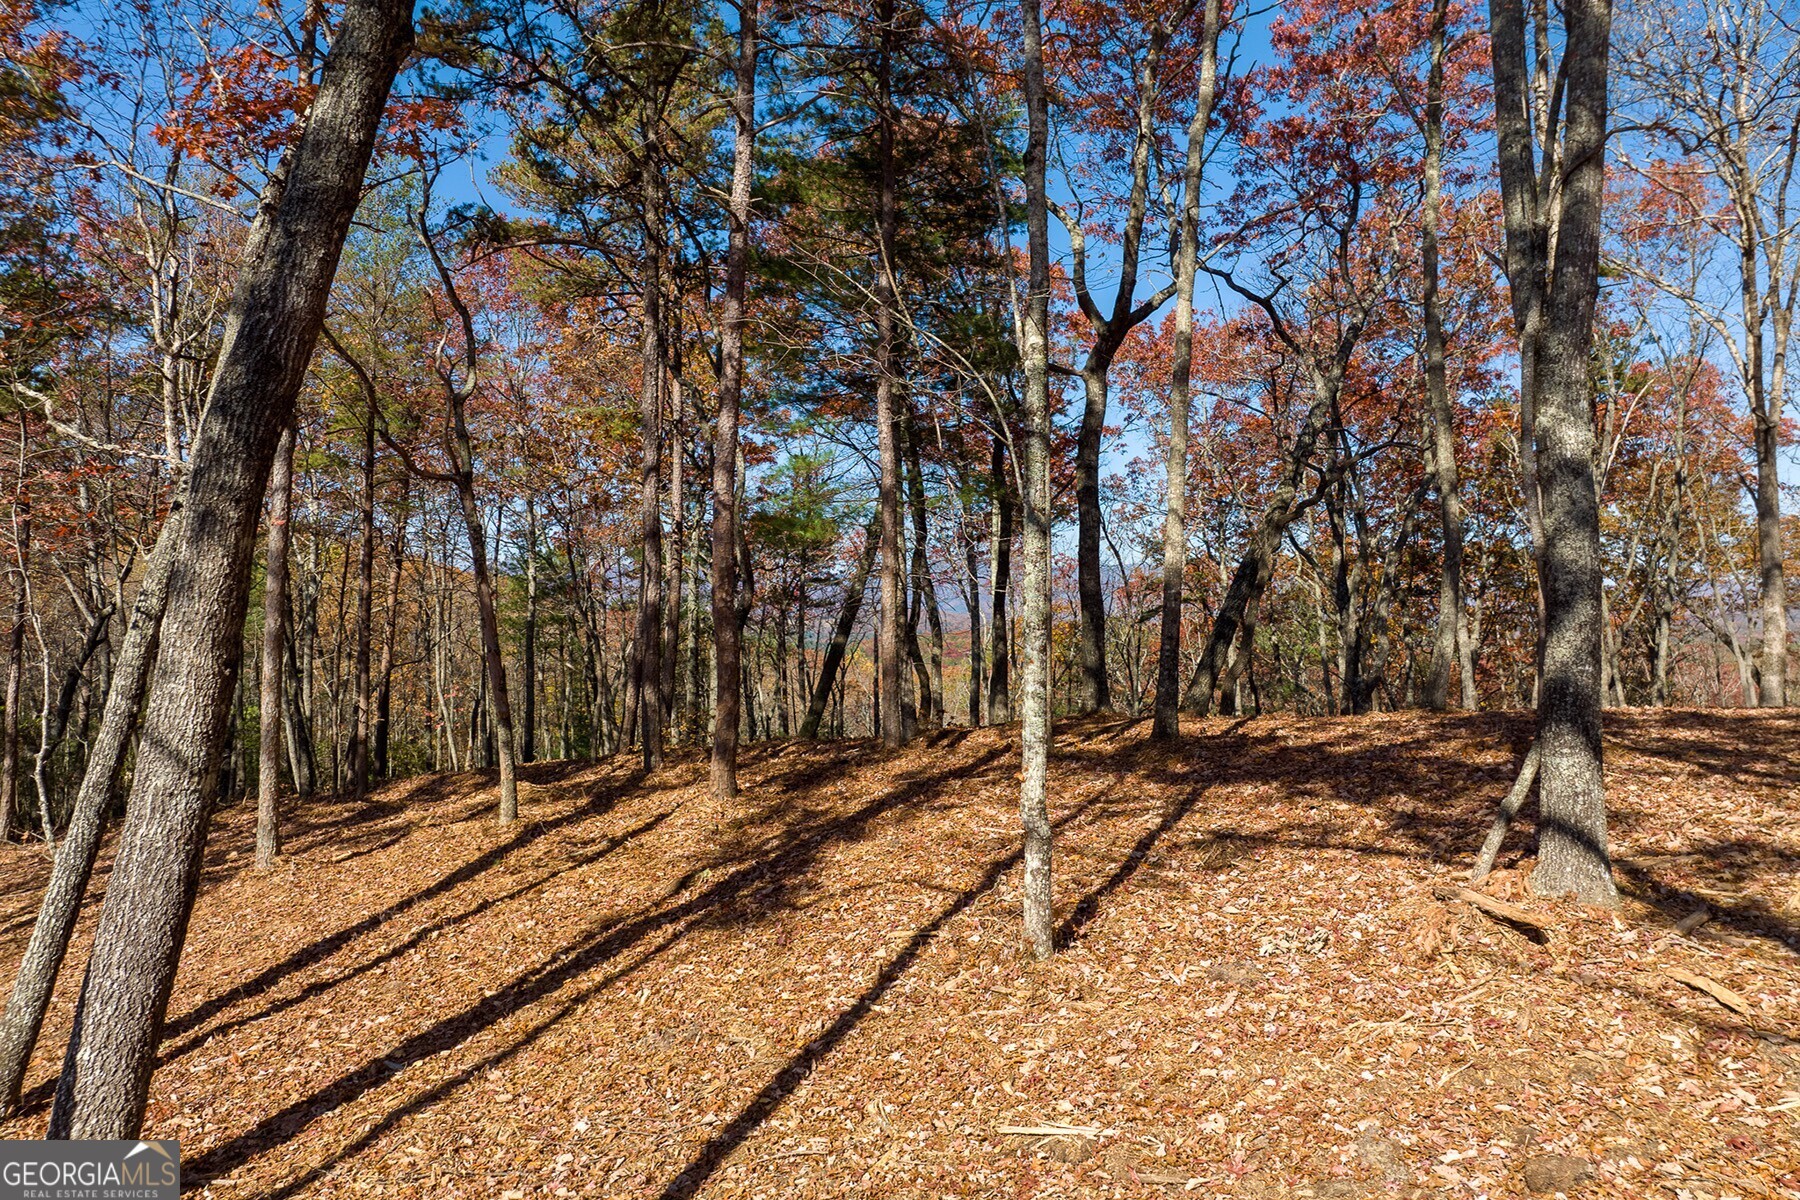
{"x":820,"y":995}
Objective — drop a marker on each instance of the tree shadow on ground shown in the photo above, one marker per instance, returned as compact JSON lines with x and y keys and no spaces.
{"x":1401,"y":795}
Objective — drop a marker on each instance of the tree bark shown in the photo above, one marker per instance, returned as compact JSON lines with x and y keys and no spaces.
{"x":1000,"y":584}
{"x":269,"y":337}
{"x":840,"y":634}
{"x":275,"y":606}
{"x":1572,"y":839}
{"x":74,"y":866}
{"x":888,"y":632}
{"x":1165,"y":723}
{"x":648,"y":672}
{"x":15,"y":669}
{"x":727,"y":630}
{"x":1448,"y":653}
{"x":1034,"y":355}
{"x":363,"y":716}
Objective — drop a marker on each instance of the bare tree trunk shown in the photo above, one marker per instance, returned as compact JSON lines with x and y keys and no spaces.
{"x":1447,"y":653}
{"x":384,"y":675}
{"x":648,"y":671}
{"x":1572,"y":844}
{"x":840,"y":634}
{"x":61,"y":905}
{"x":1000,"y":584}
{"x":528,"y":737}
{"x":1165,"y":724}
{"x":727,"y":629}
{"x":888,"y":638}
{"x":275,"y":605}
{"x":1034,"y":355}
{"x":15,"y":667}
{"x":972,"y":569}
{"x":363,"y":717}
{"x":269,"y":338}
{"x":924,"y":589}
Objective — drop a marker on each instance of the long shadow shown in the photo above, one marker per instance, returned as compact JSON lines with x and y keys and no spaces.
{"x":754,"y":888}
{"x":711,"y":1156}
{"x":598,"y":804}
{"x":320,"y":986}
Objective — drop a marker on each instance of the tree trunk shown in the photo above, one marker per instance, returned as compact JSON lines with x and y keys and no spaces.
{"x":727,"y":630}
{"x":1000,"y":584}
{"x":268,"y":340}
{"x":1034,"y":355}
{"x":61,"y":905}
{"x":1572,"y":845}
{"x":1165,"y":724}
{"x":528,"y":680}
{"x":1096,"y":692}
{"x":1447,"y":653}
{"x":648,"y":673}
{"x":888,"y":631}
{"x":924,"y":590}
{"x":840,"y":634}
{"x":15,"y":668}
{"x":363,"y":716}
{"x":275,"y":587}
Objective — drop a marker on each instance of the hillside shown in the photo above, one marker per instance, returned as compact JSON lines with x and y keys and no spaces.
{"x":819,"y":996}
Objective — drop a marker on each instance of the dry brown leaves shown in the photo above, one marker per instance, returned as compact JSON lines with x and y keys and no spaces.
{"x":820,"y":996}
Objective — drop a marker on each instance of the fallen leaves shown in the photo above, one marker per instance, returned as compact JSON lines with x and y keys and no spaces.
{"x":820,"y":997}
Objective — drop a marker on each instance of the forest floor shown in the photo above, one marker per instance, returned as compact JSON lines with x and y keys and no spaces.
{"x":1259,"y":995}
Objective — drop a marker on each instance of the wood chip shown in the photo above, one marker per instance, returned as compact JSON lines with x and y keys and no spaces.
{"x":1711,"y":987}
{"x":1049,"y":1130}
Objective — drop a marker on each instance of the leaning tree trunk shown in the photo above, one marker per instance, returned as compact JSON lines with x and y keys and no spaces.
{"x":840,"y":635}
{"x":61,"y":905}
{"x":727,"y":630}
{"x":1034,"y":354}
{"x":275,"y":588}
{"x":269,"y":337}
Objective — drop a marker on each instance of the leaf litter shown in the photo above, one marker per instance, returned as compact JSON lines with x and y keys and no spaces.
{"x":1270,"y":983}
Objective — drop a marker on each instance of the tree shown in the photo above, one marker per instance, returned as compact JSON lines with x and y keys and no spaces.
{"x":1175,"y":535}
{"x":270,"y":334}
{"x":727,"y":637}
{"x":1552,"y":262}
{"x":1034,"y":359}
{"x":1717,"y":81}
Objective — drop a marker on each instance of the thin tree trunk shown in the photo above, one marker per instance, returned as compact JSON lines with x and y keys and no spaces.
{"x":889,"y":629}
{"x":1034,"y":354}
{"x":363,"y":717}
{"x":840,"y":634}
{"x":275,"y":586}
{"x":15,"y":668}
{"x":268,"y":340}
{"x":1000,"y":584}
{"x":61,"y":905}
{"x":648,"y":671}
{"x":1446,"y":651}
{"x":528,"y":735}
{"x":727,"y":627}
{"x":1165,"y":724}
